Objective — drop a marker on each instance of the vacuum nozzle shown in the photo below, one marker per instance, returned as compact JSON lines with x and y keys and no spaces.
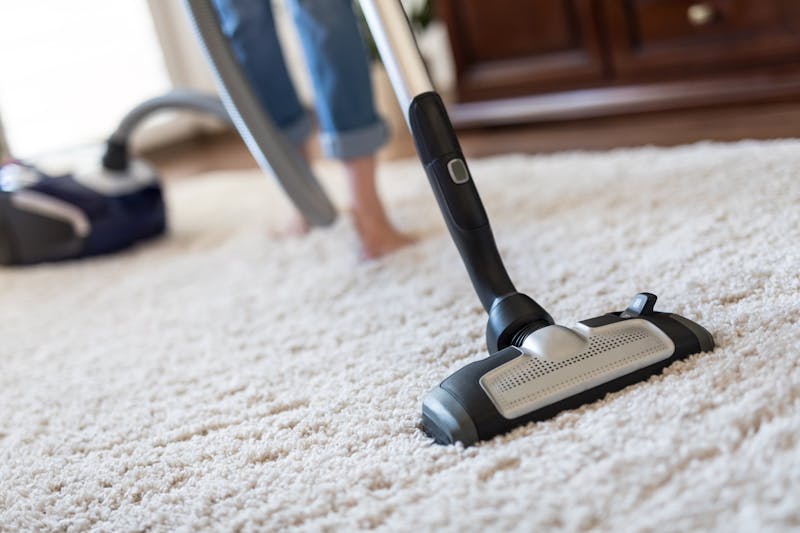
{"x":557,"y":368}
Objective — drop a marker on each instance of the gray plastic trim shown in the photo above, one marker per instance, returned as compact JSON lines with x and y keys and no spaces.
{"x":449,"y":417}
{"x":705,"y":338}
{"x":271,"y":150}
{"x":37,"y":234}
{"x":85,"y":166}
{"x":49,"y":207}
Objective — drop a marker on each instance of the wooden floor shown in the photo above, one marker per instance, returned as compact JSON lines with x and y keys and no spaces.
{"x":768,"y":121}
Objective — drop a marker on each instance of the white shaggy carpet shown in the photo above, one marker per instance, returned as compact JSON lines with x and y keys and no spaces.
{"x":222,"y":379}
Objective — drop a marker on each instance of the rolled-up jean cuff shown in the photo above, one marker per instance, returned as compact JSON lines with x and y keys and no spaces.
{"x":354,"y":143}
{"x":298,"y":130}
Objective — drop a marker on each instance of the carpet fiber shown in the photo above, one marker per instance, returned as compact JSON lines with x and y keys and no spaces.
{"x":222,"y":378}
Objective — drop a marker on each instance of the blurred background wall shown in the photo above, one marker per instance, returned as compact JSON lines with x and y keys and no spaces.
{"x":70,"y":70}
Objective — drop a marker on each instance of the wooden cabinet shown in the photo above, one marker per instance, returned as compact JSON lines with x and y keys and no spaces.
{"x":654,"y":53}
{"x":505,"y":47}
{"x":660,"y":37}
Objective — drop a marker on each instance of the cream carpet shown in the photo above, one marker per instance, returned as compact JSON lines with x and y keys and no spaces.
{"x":224,"y":379}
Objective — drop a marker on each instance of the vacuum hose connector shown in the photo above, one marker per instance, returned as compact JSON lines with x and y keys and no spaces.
{"x":116,"y":154}
{"x":512,"y":318}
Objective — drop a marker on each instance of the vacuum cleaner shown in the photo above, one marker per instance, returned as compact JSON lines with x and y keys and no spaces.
{"x":87,"y":201}
{"x":67,"y":206}
{"x":536,"y":368}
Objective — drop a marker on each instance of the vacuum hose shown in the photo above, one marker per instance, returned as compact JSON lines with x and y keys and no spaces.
{"x":265,"y":141}
{"x":116,"y":154}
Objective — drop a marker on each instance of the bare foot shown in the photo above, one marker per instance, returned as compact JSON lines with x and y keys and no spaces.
{"x":378,"y":236}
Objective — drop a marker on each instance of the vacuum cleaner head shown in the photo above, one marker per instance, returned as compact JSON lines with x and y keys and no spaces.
{"x":67,"y":206}
{"x":556,"y":368}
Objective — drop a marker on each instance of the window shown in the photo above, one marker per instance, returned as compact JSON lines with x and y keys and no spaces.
{"x":70,"y":70}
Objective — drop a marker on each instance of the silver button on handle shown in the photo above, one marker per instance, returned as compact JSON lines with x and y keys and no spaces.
{"x":458,"y":171}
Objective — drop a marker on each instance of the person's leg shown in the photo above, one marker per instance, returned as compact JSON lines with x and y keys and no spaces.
{"x":352,"y":131}
{"x":250,"y":27}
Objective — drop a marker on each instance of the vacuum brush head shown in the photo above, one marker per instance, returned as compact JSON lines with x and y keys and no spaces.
{"x":556,"y":368}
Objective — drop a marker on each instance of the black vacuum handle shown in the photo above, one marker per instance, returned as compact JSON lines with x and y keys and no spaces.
{"x":440,"y":153}
{"x":438,"y":149}
{"x":458,"y":198}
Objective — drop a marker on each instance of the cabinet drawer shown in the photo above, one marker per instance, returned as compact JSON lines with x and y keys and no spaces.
{"x":659,"y":22}
{"x":650,"y":35}
{"x":515,"y":47}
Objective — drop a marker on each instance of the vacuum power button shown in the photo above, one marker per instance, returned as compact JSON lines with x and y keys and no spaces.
{"x":458,"y":171}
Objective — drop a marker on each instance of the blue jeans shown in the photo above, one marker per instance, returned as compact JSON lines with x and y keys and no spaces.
{"x":338,"y":63}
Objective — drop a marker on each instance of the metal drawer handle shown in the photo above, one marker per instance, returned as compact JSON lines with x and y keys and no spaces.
{"x":700,"y":14}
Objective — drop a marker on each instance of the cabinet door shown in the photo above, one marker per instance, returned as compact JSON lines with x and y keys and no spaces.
{"x":663,"y":38}
{"x":508,"y":48}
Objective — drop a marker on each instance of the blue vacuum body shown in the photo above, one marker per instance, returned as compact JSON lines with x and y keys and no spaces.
{"x":68,"y":205}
